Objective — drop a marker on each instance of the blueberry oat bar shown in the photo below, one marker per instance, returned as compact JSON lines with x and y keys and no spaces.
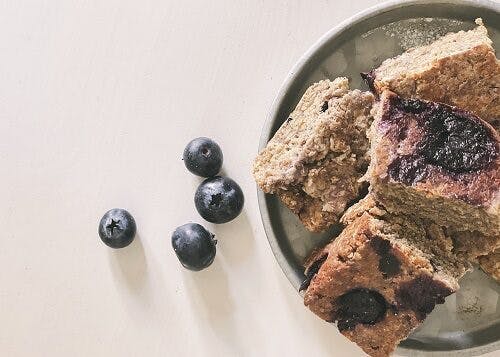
{"x":459,"y":69}
{"x":316,"y":158}
{"x":381,"y":277}
{"x":437,"y":162}
{"x":465,"y":247}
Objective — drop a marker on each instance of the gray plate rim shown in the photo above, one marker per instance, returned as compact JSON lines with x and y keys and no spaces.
{"x":292,"y":275}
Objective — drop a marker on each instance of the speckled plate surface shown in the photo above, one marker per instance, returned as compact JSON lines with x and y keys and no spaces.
{"x":468,"y":324}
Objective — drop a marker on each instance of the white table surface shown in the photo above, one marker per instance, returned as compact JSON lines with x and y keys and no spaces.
{"x":97,"y":101}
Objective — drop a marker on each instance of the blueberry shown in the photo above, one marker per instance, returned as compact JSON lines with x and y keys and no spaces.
{"x":457,"y":142}
{"x":360,"y":306}
{"x":219,"y":199}
{"x":203,"y":157}
{"x":117,"y":228}
{"x":421,"y":295}
{"x":194,"y":246}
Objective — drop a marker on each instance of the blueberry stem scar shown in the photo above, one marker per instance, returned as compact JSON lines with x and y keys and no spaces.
{"x":114,"y":224}
{"x":216,"y":199}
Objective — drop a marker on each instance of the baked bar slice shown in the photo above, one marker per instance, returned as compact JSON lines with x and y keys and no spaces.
{"x":376,"y":283}
{"x":316,"y":158}
{"x":459,"y":69}
{"x":439,"y":242}
{"x":461,"y":247}
{"x":436,"y":162}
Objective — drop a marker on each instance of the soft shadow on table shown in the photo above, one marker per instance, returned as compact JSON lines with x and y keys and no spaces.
{"x":235,"y":240}
{"x":210,"y":292}
{"x":210,"y":297}
{"x":129,"y":265}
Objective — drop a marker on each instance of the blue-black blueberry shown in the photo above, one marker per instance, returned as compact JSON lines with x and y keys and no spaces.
{"x":203,"y":157}
{"x":194,"y":246}
{"x":117,"y":228}
{"x":219,"y":199}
